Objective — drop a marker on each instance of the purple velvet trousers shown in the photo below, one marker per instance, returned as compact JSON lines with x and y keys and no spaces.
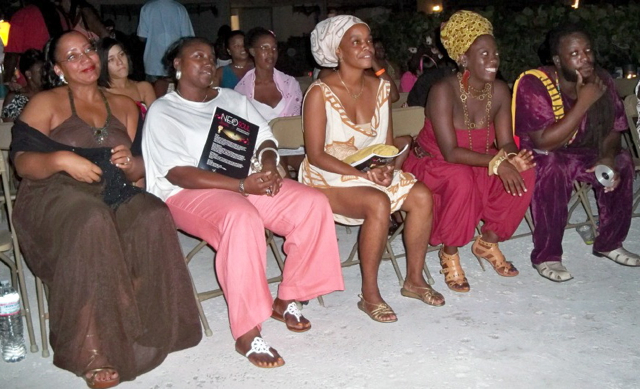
{"x":555,"y":174}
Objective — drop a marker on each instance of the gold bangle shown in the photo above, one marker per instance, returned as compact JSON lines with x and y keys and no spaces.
{"x":497,"y":164}
{"x":496,"y":161}
{"x":380,"y":72}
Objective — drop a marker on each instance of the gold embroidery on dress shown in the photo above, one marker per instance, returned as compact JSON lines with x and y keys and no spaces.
{"x":311,"y":177}
{"x":341,"y":150}
{"x":381,"y":98}
{"x":335,"y":103}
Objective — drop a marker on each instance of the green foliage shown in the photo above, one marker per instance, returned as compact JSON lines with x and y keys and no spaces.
{"x":614,"y":30}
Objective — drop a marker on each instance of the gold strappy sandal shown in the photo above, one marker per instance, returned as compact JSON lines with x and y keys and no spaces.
{"x":378,"y":312}
{"x":427,"y":294}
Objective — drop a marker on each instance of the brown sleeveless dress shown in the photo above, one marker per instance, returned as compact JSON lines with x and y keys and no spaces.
{"x":119,"y":291}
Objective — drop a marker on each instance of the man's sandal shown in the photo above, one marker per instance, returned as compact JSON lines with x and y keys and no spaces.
{"x":378,"y":312}
{"x":454,"y":276}
{"x":621,"y":256}
{"x":554,"y":271}
{"x":292,"y":309}
{"x":103,"y":384}
{"x":492,"y":254}
{"x":260,"y":346}
{"x":425,"y":294}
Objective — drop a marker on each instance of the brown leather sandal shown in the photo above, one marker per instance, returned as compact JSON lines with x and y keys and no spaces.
{"x":491,"y":253}
{"x":454,"y":276}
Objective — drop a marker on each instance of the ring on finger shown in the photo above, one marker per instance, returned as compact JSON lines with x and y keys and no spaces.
{"x":269,"y":191}
{"x":128,"y":159}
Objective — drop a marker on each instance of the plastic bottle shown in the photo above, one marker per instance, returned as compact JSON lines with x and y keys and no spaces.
{"x":11,"y":333}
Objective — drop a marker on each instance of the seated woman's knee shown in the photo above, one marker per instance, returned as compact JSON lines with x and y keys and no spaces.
{"x":421,"y":196}
{"x":376,"y":205}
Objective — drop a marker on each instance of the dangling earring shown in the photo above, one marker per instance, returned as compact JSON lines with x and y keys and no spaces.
{"x":178,"y":74}
{"x":465,"y":79}
{"x":62,"y":79}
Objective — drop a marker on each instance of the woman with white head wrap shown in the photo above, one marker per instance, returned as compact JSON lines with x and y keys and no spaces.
{"x":345,"y":114}
{"x":467,"y":114}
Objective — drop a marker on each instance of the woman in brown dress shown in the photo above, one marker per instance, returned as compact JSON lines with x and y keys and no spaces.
{"x":120,"y":297}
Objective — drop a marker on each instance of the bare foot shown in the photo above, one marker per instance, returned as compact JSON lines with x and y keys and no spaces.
{"x":262,"y":355}
{"x":290,"y":314}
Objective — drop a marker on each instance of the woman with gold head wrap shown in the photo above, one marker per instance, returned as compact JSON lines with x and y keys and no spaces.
{"x":466,"y":154}
{"x":344,"y":113}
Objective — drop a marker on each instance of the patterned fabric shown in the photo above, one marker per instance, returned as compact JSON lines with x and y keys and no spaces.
{"x":343,"y":138}
{"x":326,"y":37}
{"x":15,"y":107}
{"x":463,"y":27}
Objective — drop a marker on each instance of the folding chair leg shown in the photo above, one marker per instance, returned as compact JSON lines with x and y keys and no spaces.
{"x":203,"y":318}
{"x":635,"y":204}
{"x":427,"y":273}
{"x":26,"y":308}
{"x":584,"y":199}
{"x":392,"y":258}
{"x":43,"y":317}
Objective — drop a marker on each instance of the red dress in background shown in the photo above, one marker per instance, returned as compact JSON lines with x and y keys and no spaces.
{"x":463,"y":195}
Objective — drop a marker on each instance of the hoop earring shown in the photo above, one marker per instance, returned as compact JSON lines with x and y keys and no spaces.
{"x":178,"y":74}
{"x":62,"y":79}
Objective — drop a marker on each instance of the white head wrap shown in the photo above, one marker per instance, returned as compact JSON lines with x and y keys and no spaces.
{"x":326,"y":37}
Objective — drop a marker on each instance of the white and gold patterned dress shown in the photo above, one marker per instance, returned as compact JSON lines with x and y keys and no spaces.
{"x":343,"y":138}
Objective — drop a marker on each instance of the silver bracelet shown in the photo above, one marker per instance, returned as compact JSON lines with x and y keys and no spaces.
{"x":241,"y":188}
{"x":269,"y":149}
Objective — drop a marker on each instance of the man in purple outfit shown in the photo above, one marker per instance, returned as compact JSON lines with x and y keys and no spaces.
{"x":569,"y":147}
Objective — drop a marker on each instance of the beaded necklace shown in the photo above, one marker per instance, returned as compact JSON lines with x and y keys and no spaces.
{"x":480,"y":95}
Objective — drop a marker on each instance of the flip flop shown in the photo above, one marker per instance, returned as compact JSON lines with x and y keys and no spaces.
{"x":292,"y":309}
{"x":260,"y":346}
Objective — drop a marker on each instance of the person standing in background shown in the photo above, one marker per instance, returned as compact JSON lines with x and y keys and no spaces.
{"x":31,"y":28}
{"x":162,"y":22}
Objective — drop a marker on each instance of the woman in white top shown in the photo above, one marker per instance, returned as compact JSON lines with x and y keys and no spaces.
{"x":231,"y":214}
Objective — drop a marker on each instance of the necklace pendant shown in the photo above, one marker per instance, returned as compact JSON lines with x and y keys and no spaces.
{"x":100,"y":135}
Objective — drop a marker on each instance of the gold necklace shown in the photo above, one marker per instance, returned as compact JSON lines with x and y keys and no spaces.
{"x":355,"y":97}
{"x":464,"y":96}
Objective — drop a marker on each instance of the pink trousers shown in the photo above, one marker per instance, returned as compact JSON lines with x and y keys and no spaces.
{"x":234,"y":226}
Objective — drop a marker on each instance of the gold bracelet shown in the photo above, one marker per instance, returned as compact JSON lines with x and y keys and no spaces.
{"x":496,"y":161}
{"x":497,"y":164}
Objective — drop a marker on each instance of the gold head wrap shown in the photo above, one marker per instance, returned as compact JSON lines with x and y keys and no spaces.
{"x":326,"y":37}
{"x":462,"y":29}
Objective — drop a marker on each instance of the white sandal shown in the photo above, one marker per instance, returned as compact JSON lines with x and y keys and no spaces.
{"x":554,"y":271}
{"x":621,"y":256}
{"x":259,"y":346}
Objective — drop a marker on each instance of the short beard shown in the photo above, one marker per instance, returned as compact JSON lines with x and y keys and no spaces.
{"x":568,"y":74}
